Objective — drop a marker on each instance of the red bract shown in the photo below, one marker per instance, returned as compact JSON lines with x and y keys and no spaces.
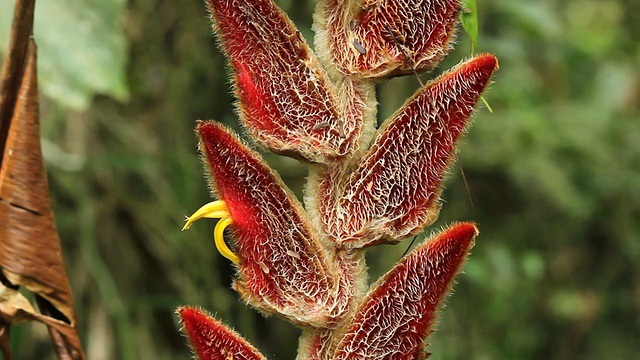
{"x":394,"y":191}
{"x":286,"y":101}
{"x":308,"y":265}
{"x":212,"y":340}
{"x":375,"y":39}
{"x":283,"y":266}
{"x":396,"y":316}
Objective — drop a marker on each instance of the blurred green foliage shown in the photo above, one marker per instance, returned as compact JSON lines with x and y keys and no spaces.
{"x":82,"y":49}
{"x":552,"y":178}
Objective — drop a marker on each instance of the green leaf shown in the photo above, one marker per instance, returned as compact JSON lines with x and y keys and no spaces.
{"x":469,"y":19}
{"x":82,"y":49}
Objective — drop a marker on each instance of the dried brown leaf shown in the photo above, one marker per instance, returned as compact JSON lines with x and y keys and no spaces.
{"x":30,"y":252}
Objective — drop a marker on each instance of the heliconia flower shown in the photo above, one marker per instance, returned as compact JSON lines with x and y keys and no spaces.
{"x":396,"y":316}
{"x":283,"y":268}
{"x":366,"y":187}
{"x":211,"y":340}
{"x":216,"y":210}
{"x":375,"y":39}
{"x":394,"y":191}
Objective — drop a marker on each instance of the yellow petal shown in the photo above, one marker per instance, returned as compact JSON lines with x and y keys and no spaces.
{"x":213,"y":210}
{"x":218,"y":236}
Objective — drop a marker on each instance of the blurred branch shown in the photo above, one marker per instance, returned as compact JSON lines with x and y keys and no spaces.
{"x":14,"y":63}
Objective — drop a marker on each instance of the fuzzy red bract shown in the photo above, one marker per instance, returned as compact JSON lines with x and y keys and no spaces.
{"x":211,"y":340}
{"x":394,"y":191}
{"x":285,"y":100}
{"x":396,"y":316}
{"x":376,"y":39}
{"x":283,"y":266}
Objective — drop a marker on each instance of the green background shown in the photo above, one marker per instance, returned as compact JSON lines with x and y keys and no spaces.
{"x":552,"y":179}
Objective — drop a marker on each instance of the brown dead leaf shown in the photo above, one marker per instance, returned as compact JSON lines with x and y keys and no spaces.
{"x":30,"y":252}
